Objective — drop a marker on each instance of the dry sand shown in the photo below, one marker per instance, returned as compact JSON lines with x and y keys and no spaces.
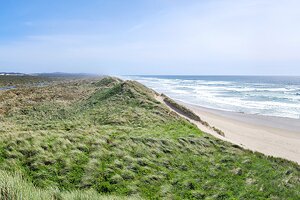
{"x":275,"y":136}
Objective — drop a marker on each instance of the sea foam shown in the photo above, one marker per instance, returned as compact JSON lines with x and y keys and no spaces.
{"x":273,"y":96}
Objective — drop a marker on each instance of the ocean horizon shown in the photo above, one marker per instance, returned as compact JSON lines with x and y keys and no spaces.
{"x":261,"y":95}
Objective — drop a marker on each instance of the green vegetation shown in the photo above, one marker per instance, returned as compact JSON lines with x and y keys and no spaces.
{"x":188,"y":113}
{"x":14,"y":187}
{"x":21,"y":80}
{"x":92,"y":137}
{"x":182,"y":110}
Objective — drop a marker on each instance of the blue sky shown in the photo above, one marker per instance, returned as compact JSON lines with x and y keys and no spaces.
{"x":230,"y":37}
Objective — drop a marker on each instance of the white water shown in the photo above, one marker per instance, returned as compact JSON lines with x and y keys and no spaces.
{"x":253,"y":95}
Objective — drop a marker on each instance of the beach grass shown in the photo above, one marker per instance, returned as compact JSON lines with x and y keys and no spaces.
{"x":84,"y":137}
{"x":13,"y":187}
{"x":188,"y":113}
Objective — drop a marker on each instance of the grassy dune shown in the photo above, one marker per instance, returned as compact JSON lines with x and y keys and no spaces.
{"x":110,"y":137}
{"x":13,"y":187}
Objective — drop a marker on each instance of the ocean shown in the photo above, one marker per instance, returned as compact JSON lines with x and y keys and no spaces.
{"x":261,"y":95}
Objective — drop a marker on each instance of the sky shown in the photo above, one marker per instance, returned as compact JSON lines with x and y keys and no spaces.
{"x":176,"y":37}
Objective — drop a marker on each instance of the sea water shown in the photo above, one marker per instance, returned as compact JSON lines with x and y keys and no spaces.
{"x":262,"y":95}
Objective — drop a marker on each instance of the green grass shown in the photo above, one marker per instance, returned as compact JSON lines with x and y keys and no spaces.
{"x":110,"y":137}
{"x":22,"y":80}
{"x":13,"y":187}
{"x":181,"y":109}
{"x":188,"y":113}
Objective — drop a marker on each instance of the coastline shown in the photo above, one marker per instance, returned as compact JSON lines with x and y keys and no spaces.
{"x":274,"y":136}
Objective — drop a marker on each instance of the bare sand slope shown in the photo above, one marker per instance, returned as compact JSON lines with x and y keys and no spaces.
{"x":275,"y":136}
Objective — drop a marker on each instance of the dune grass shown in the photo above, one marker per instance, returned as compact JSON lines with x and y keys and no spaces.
{"x":188,"y":113}
{"x":110,"y":137}
{"x":22,"y":80}
{"x":14,"y":187}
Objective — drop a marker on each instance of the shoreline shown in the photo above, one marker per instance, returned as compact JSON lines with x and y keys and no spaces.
{"x":286,"y":123}
{"x":273,"y":136}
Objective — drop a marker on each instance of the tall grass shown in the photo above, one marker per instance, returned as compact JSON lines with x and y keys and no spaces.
{"x":188,"y":113}
{"x":111,"y":137}
{"x":14,"y":187}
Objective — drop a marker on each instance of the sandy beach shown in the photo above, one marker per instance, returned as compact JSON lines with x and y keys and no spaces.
{"x":275,"y":136}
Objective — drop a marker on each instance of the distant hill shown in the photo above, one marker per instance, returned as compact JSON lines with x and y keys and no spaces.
{"x":54,"y":74}
{"x":63,"y":74}
{"x":12,"y":74}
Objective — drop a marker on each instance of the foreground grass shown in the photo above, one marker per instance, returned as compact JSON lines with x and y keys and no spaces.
{"x":13,"y":187}
{"x":113,"y":137}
